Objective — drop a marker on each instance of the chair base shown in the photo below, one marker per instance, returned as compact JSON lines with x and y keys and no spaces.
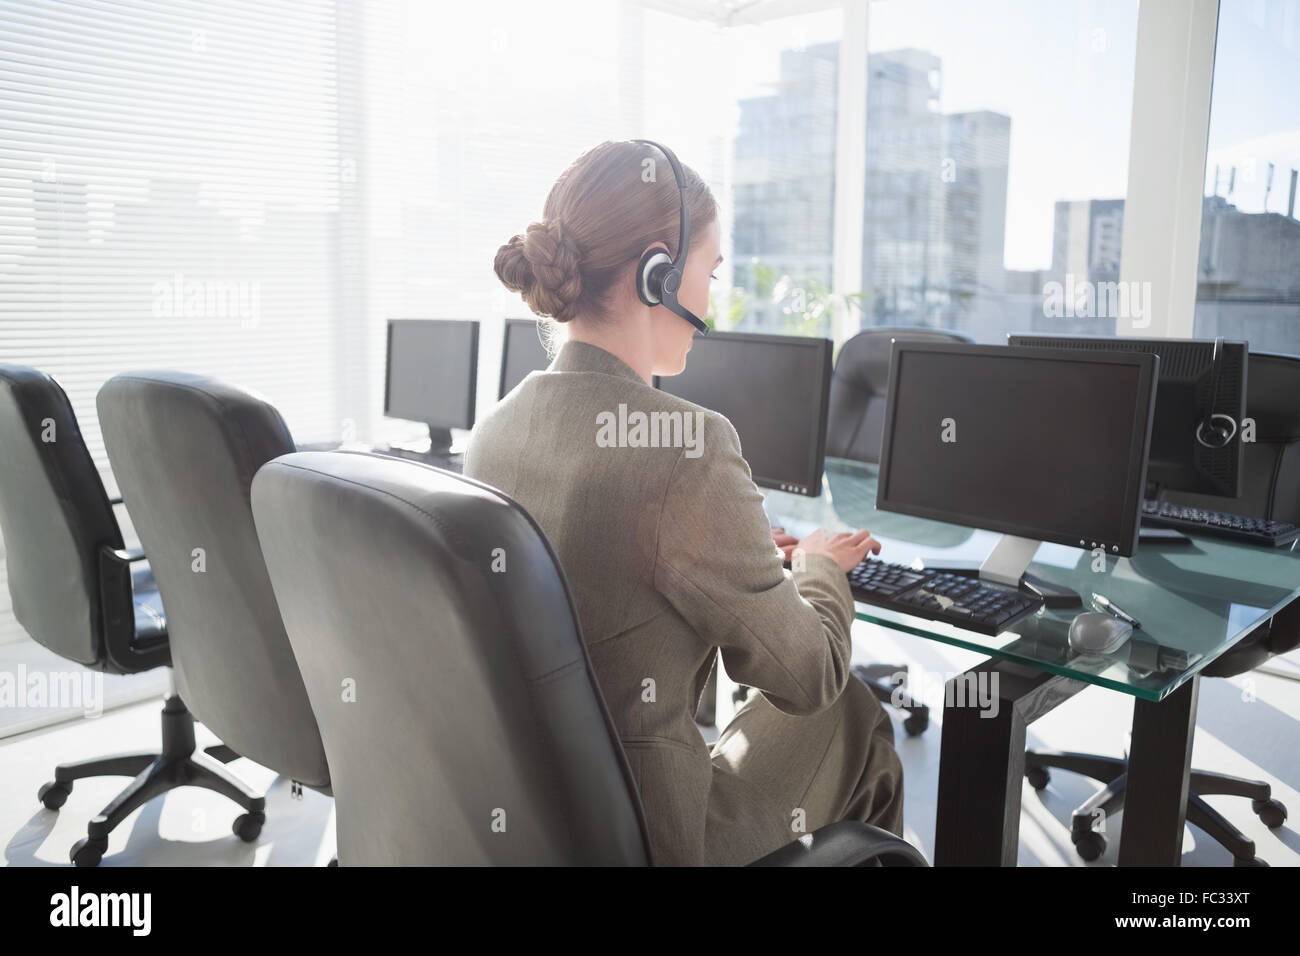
{"x":1088,"y":822}
{"x":154,"y":774}
{"x":883,"y":682}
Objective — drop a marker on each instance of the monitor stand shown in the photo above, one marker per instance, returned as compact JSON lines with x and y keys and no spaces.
{"x":1008,"y":564}
{"x":439,"y":440}
{"x":439,"y":446}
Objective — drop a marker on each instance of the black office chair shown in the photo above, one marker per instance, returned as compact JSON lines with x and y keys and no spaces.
{"x":465,"y":689}
{"x":859,"y":386}
{"x":1270,"y":489}
{"x":854,"y":430}
{"x":76,"y":590}
{"x":184,"y":449}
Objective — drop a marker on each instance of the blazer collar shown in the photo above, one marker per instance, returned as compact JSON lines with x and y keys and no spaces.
{"x":581,"y":357}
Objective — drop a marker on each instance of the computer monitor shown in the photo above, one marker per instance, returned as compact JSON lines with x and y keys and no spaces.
{"x":1040,"y":444}
{"x":1198,"y":379}
{"x":432,"y":375}
{"x":774,"y":389}
{"x":522,"y":352}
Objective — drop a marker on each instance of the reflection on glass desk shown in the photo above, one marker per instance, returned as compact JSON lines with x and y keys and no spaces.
{"x":1194,"y":602}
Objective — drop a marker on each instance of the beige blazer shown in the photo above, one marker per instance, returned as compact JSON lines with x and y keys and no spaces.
{"x":669,"y":556}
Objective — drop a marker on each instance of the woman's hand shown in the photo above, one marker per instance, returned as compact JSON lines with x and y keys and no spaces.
{"x":847,"y":549}
{"x":785,"y":543}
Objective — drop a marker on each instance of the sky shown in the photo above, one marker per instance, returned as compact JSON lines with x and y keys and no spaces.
{"x":1254,"y":109}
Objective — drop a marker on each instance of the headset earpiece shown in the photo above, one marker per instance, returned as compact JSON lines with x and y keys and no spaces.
{"x":1217,"y":432}
{"x":650,"y":272}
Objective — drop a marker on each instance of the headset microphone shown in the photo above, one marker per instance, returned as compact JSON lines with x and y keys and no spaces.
{"x":659,"y":277}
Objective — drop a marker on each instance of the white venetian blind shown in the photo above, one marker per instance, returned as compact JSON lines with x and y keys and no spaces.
{"x":171,"y":185}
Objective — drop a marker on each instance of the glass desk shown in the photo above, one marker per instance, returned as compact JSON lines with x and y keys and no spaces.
{"x":1195,"y":601}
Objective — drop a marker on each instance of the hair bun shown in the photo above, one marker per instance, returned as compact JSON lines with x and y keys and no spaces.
{"x":512,"y":268}
{"x":543,"y":266}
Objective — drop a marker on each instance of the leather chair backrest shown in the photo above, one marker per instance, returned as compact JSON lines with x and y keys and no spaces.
{"x":184,"y":449}
{"x":1270,"y":479}
{"x":859,"y":387}
{"x":54,"y":516}
{"x":438,"y":638}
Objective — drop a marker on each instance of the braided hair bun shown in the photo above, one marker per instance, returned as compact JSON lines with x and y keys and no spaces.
{"x":543,"y":265}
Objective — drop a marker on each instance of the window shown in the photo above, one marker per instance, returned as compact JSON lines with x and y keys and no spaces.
{"x":171,"y":187}
{"x":1248,"y":274}
{"x":996,"y":163}
{"x":466,"y":138}
{"x":996,"y":166}
{"x":783,"y":188}
{"x":212,"y":187}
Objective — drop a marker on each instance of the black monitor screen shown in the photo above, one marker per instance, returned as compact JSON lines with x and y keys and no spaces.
{"x":432,"y":371}
{"x":1044,"y":444}
{"x":774,"y":390}
{"x":523,"y":353}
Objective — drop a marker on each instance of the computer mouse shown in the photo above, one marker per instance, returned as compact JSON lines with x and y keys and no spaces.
{"x":1096,"y":633}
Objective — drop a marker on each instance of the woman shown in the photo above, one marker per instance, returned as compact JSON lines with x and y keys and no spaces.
{"x":666,"y":545}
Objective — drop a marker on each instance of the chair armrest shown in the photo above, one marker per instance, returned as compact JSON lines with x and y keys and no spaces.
{"x":123,"y":653}
{"x":846,"y":843}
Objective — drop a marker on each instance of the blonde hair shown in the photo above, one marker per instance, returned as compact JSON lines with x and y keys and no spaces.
{"x":600,"y":216}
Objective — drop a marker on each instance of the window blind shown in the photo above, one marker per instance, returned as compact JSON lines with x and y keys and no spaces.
{"x":171,"y":186}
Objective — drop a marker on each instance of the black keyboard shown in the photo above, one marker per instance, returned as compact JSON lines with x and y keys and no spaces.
{"x":960,"y":599}
{"x":1221,"y":524}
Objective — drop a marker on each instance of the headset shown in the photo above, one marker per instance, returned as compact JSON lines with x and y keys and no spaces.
{"x":658,"y":277}
{"x":1215,"y":429}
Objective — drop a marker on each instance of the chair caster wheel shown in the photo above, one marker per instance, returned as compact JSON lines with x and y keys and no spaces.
{"x":915,"y":724}
{"x":1090,"y":846}
{"x":54,"y":794}
{"x":1271,"y":812}
{"x":248,"y":826}
{"x":88,"y":851}
{"x":1256,"y":861}
{"x":1038,"y":777}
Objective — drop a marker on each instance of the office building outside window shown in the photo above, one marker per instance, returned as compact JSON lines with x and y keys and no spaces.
{"x":996,"y":165}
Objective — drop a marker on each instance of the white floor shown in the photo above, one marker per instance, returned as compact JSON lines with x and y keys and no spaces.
{"x":186,"y":827}
{"x":1247,"y":726}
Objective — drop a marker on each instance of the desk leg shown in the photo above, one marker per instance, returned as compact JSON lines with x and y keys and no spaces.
{"x":982,"y":759}
{"x":1159,"y":761}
